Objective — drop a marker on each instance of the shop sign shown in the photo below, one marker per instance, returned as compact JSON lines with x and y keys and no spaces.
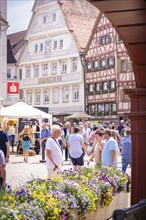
{"x":13,"y":88}
{"x":49,"y":79}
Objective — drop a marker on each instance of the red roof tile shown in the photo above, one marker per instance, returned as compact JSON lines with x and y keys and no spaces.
{"x":80,"y":16}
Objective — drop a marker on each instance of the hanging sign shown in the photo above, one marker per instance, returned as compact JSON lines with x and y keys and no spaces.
{"x":13,"y":88}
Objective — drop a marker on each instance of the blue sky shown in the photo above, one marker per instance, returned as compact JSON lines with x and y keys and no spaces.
{"x":18,"y":14}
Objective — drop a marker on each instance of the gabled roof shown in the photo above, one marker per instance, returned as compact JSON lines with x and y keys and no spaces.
{"x":92,"y":33}
{"x":80,"y":16}
{"x":16,"y":41}
{"x":10,"y":56}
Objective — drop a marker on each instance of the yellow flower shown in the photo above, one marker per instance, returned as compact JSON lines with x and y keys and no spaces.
{"x":19,"y":217}
{"x":12,"y":206}
{"x":56,"y":211}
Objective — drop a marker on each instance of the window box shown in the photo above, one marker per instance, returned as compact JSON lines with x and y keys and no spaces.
{"x":111,"y":90}
{"x":98,"y":92}
{"x":106,"y":113}
{"x":113,"y":113}
{"x":104,"y":92}
{"x":99,"y":113}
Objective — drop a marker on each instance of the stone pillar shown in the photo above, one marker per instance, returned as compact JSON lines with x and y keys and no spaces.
{"x":138,"y":128}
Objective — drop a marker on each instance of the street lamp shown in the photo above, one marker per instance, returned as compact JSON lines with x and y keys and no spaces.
{"x":81,"y":55}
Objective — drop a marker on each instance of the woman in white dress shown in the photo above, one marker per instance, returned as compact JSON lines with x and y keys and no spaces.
{"x":98,"y":148}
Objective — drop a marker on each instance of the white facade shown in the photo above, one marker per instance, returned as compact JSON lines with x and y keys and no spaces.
{"x":51,"y":67}
{"x":3,"y":49}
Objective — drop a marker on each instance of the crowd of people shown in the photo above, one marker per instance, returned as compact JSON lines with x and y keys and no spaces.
{"x":63,"y":142}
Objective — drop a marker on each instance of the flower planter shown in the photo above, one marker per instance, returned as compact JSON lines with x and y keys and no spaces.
{"x":120,"y":201}
{"x":65,"y":194}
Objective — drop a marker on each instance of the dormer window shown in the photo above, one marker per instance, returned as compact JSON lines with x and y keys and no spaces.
{"x":53,"y":17}
{"x":60,"y":44}
{"x":35,"y":48}
{"x":55,"y":45}
{"x":41,"y":47}
{"x":44,"y":19}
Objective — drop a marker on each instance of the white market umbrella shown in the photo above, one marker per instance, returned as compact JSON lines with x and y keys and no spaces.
{"x":79,"y":115}
{"x":23,"y":110}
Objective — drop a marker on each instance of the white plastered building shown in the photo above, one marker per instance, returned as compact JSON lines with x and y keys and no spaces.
{"x":52,"y":73}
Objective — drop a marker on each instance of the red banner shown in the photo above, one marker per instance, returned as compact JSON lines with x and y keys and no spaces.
{"x":13,"y":88}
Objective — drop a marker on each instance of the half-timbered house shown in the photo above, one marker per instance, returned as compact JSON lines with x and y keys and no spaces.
{"x":107,"y":72}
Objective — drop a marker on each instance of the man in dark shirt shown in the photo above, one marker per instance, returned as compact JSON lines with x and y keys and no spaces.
{"x":121,"y":126}
{"x":4,"y":144}
{"x":2,"y":170}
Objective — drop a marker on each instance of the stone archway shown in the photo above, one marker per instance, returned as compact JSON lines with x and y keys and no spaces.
{"x":129,"y":19}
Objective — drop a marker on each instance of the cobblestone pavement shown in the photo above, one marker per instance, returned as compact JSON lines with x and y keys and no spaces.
{"x":19,"y":172}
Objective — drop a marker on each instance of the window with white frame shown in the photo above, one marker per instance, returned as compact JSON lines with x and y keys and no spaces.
{"x":106,"y":107}
{"x":111,"y":61}
{"x":91,"y":87}
{"x":65,"y":94}
{"x":60,"y":44}
{"x":55,"y":98}
{"x":44,"y":19}
{"x":92,"y":109}
{"x":53,"y":16}
{"x":75,"y":93}
{"x":47,"y":47}
{"x":74,"y":64}
{"x":104,"y":86}
{"x":95,"y":64}
{"x":55,"y":45}
{"x":54,"y":68}
{"x":112,"y":84}
{"x":46,"y":95}
{"x":41,"y":47}
{"x":37,"y":96}
{"x":106,"y":39}
{"x":100,"y":108}
{"x":35,"y":48}
{"x":28,"y":72}
{"x":29,"y":97}
{"x":36,"y":70}
{"x":89,"y":66}
{"x":44,"y":69}
{"x":8,"y":73}
{"x":98,"y":87}
{"x":64,"y":66}
{"x":113,"y":107}
{"x":103,"y":63}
